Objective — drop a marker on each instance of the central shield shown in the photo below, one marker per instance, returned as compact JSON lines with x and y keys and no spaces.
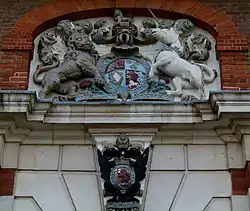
{"x":122,"y":176}
{"x":125,"y":76}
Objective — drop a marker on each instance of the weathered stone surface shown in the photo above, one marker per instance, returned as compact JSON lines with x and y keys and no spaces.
{"x":73,"y":190}
{"x":6,"y":203}
{"x":35,"y":157}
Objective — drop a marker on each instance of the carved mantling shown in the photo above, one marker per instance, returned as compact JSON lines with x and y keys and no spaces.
{"x":124,"y":59}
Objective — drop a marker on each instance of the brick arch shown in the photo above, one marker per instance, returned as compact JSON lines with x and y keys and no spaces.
{"x":46,"y":16}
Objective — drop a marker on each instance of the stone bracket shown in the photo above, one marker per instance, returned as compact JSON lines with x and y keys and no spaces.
{"x":124,"y":143}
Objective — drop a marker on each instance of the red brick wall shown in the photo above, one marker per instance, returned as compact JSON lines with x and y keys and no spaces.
{"x":236,"y":71}
{"x":21,"y":20}
{"x":14,"y":65}
{"x":6,"y":182}
{"x":238,"y":10}
{"x":241,"y":180}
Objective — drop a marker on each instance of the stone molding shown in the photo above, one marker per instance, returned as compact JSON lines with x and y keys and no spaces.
{"x":231,"y":104}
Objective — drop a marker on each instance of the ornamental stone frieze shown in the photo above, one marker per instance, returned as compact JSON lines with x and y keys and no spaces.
{"x":124,"y":59}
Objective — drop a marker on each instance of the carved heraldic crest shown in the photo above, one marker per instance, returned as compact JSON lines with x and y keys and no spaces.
{"x":71,"y":67}
{"x":122,"y":167}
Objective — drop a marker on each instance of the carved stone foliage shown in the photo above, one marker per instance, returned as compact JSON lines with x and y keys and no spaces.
{"x":72,"y":69}
{"x":123,"y":167}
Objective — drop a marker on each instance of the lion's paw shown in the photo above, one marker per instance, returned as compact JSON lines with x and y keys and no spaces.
{"x":99,"y":81}
{"x":60,"y":98}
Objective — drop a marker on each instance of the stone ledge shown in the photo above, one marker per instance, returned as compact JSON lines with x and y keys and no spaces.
{"x":219,"y":103}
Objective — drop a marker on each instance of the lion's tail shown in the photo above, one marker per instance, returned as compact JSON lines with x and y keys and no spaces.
{"x":211,"y":73}
{"x":40,"y":70}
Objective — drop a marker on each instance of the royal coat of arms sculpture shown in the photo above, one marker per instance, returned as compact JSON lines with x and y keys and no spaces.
{"x":73,"y":70}
{"x":122,"y":167}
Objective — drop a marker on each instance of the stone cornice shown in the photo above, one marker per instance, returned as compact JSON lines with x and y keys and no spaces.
{"x":229,"y":103}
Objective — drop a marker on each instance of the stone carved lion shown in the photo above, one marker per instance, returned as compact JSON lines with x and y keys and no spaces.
{"x":79,"y":63}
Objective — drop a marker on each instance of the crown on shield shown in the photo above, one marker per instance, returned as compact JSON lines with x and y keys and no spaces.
{"x":122,"y":161}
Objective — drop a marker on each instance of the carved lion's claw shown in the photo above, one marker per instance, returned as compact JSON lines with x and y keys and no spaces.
{"x":60,"y":98}
{"x":99,"y":81}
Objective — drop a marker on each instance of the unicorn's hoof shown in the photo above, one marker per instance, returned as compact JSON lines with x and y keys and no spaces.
{"x":174,"y":93}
